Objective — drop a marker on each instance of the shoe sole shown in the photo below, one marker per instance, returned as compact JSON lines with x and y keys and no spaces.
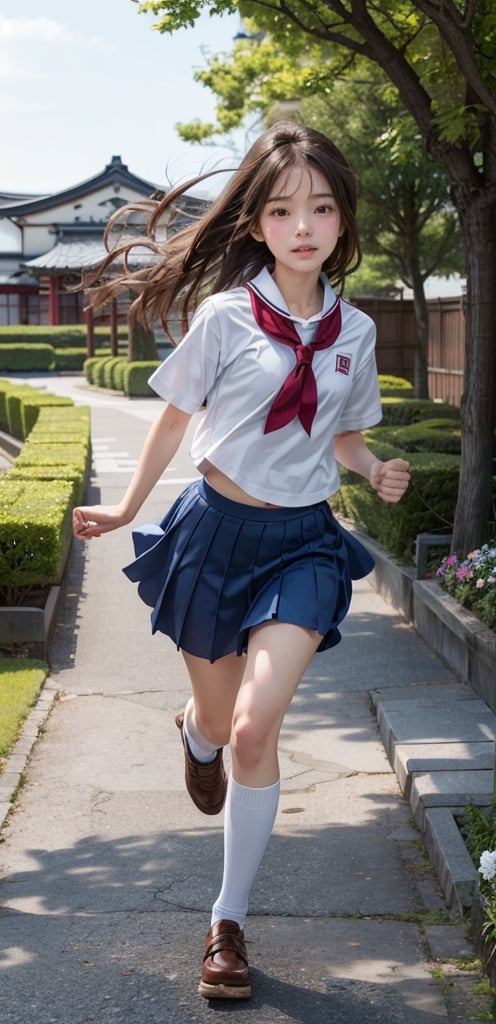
{"x":224,"y":991}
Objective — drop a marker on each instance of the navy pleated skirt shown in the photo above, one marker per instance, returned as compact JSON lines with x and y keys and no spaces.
{"x":214,"y":568}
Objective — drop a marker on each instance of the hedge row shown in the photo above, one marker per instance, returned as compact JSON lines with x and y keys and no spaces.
{"x":428,"y":435}
{"x":60,"y":336}
{"x":20,"y":406}
{"x":38,"y":493}
{"x":120,"y":375}
{"x":40,"y":358}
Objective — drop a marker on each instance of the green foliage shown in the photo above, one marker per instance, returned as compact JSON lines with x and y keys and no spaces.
{"x":60,"y":420}
{"x":427,"y":507}
{"x":35,"y":534}
{"x":479,"y":831}
{"x":394,"y":387}
{"x":472,"y":581}
{"x":21,"y":358}
{"x":98,"y":371}
{"x":31,"y":405}
{"x":435,"y":435}
{"x":141,"y":343}
{"x":71,"y":360}
{"x":109,"y":372}
{"x":72,"y":474}
{"x":89,"y":367}
{"x":38,"y":493}
{"x":136,"y":378}
{"x":415,"y":410}
{"x":58,"y":336}
{"x":20,"y":684}
{"x":118,"y":375}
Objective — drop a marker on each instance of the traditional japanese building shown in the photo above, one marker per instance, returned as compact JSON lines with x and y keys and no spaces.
{"x":48,"y":239}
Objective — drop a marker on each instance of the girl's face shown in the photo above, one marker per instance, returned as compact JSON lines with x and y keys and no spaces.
{"x":300,"y":222}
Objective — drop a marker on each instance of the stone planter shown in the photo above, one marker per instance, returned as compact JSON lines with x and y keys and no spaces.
{"x":461,"y":640}
{"x":31,"y":628}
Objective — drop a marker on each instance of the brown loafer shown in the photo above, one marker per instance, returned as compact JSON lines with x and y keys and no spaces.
{"x":225,"y":972}
{"x":206,"y":783}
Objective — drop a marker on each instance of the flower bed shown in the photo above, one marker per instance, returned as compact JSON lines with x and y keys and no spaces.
{"x":472,"y":582}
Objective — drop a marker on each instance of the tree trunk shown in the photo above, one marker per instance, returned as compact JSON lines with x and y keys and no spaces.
{"x":422,"y":329}
{"x":471,"y":527}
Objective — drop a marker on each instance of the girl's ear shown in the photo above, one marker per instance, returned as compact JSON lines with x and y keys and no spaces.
{"x":257,"y":235}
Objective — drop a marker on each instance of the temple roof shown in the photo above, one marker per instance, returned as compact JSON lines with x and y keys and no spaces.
{"x":115,"y":173}
{"x":68,"y":256}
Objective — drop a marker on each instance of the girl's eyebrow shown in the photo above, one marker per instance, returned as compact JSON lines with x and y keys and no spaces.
{"x":313,"y":195}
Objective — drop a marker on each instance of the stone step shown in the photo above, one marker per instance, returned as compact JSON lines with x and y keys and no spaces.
{"x":439,"y":739}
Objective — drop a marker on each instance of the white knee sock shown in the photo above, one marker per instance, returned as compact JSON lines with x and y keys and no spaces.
{"x":248,"y":821}
{"x":201,"y":749}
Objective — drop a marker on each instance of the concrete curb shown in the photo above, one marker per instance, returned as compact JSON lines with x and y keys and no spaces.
{"x":18,"y":759}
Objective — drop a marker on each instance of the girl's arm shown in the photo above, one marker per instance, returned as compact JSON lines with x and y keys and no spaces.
{"x":390,"y":479}
{"x":159,"y":448}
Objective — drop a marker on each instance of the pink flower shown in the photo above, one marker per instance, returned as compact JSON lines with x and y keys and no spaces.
{"x":479,"y":584}
{"x":464,"y":573}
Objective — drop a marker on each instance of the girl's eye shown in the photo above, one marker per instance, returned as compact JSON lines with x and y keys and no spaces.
{"x":324,"y":209}
{"x":279,"y":211}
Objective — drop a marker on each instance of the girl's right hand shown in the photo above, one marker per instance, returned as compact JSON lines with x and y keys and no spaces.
{"x":92,"y":520}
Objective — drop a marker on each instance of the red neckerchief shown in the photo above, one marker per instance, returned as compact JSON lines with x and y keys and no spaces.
{"x":298,"y":395}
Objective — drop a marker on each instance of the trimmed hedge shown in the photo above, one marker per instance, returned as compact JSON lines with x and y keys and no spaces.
{"x":414,"y":410}
{"x":58,"y":419}
{"x":21,"y":420}
{"x":35,"y":526}
{"x":72,"y":360}
{"x":22,"y":357}
{"x":59,"y":336}
{"x":38,"y":493}
{"x":394,"y":386}
{"x":427,"y":507}
{"x":30,"y":409}
{"x":74,"y":475}
{"x":136,"y":378}
{"x":428,"y":436}
{"x":109,"y":369}
{"x":7,"y":390}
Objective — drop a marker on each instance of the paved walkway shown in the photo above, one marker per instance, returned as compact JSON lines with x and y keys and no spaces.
{"x":108,"y":871}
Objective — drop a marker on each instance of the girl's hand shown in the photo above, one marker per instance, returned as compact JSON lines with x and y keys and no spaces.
{"x":390,"y":479}
{"x":93,"y":520}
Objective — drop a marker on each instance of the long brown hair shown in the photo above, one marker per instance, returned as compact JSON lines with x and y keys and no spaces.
{"x":218,"y":251}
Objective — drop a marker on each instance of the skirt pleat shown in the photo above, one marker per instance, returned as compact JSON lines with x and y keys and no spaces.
{"x":213,"y":569}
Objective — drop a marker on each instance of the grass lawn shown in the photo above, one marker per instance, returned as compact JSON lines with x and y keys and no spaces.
{"x":20,"y":683}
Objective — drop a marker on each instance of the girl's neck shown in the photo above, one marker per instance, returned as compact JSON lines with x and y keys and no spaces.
{"x":303,"y":294}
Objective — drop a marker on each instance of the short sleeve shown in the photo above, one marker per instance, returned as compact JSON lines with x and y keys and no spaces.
{"x":363,"y":408}
{"x":187,"y":375}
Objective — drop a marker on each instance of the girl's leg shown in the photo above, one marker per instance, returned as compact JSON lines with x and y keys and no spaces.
{"x":215,"y":689}
{"x":205,"y":728}
{"x":278,"y":654}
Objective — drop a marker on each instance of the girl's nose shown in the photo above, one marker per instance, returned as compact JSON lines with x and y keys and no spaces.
{"x":302,"y":227}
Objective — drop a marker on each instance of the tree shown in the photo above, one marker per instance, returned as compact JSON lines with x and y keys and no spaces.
{"x":441,"y":57}
{"x":404,"y":212}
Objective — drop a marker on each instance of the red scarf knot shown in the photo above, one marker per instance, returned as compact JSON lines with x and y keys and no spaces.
{"x":298,"y":396}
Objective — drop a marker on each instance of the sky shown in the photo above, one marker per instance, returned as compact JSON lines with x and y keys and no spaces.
{"x":83,"y":80}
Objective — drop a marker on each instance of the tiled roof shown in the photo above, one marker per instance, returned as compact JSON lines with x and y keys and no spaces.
{"x":69,"y":255}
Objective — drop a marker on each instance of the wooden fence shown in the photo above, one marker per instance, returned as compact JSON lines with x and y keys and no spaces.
{"x":396,"y":342}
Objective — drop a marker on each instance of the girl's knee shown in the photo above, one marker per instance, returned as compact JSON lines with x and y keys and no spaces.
{"x":250,"y":740}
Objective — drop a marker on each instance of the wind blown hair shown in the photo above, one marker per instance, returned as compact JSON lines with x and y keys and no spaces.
{"x":217,"y":251}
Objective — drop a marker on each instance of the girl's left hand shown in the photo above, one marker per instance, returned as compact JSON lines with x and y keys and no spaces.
{"x":390,"y":479}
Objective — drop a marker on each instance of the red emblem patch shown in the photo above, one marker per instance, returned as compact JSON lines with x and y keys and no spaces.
{"x":343,"y":364}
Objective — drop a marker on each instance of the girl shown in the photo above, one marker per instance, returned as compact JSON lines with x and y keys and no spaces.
{"x":249,"y":573}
